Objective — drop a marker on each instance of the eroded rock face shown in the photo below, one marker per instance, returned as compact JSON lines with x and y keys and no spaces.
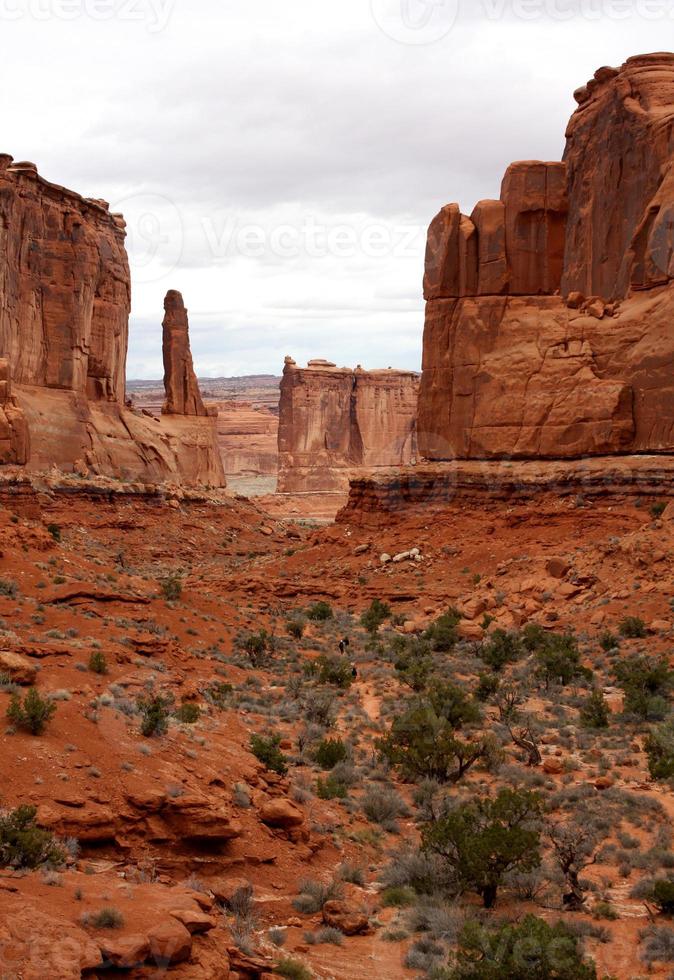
{"x":180,"y":382}
{"x":64,"y":316}
{"x":547,"y":324}
{"x":335,"y":422}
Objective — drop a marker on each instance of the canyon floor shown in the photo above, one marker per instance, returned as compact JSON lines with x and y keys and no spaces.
{"x":187,"y":851}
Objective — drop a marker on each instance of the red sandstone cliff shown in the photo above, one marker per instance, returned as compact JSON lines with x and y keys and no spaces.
{"x":180,"y":382}
{"x":548,"y":322}
{"x":64,"y":315}
{"x":335,"y":422}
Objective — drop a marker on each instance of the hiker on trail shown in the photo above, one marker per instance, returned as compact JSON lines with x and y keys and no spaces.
{"x":344,"y":645}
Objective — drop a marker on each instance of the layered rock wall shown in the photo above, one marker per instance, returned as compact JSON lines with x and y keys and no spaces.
{"x":548,"y":321}
{"x":335,"y":422}
{"x":64,"y":319}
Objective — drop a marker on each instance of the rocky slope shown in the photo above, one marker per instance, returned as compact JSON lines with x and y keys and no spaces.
{"x":547,"y":325}
{"x":334,"y":422}
{"x":66,"y":295}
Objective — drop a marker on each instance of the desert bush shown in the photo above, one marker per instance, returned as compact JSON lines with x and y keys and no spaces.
{"x":524,"y":951}
{"x":334,"y":670}
{"x":443,"y":634}
{"x":188,"y":713}
{"x":375,"y":616}
{"x":267,"y":750}
{"x":501,"y":649}
{"x":660,"y":750}
{"x":487,"y":687}
{"x":331,"y":788}
{"x":23,"y":844}
{"x":313,"y":895}
{"x":484,"y":839}
{"x":8,"y":588}
{"x":171,"y":587}
{"x":398,"y":897}
{"x":330,"y":752}
{"x":32,"y":713}
{"x":662,"y":895}
{"x":632,"y":628}
{"x":98,"y":663}
{"x":106,"y":918}
{"x":382,"y":805}
{"x":594,"y":712}
{"x":320,"y":612}
{"x":295,"y":628}
{"x":259,"y":647}
{"x":558,"y":659}
{"x":657,"y":944}
{"x":451,"y":703}
{"x":155,"y":710}
{"x":55,"y":531}
{"x":646,"y":682}
{"x":292,"y":970}
{"x":325,"y":935}
{"x":351,"y":873}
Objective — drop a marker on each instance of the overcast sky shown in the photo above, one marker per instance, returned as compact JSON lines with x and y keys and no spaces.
{"x":278,"y":161}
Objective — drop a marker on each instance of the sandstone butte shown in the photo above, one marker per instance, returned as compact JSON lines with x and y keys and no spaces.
{"x":549,"y":311}
{"x":334,"y":423}
{"x":64,"y":323}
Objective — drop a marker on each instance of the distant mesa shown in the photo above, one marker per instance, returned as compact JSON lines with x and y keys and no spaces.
{"x":336,"y":422}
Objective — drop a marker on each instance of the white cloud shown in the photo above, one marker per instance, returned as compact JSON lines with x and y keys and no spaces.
{"x":208,"y":120}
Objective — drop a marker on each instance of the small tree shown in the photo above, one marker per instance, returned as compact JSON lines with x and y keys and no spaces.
{"x":529,"y":950}
{"x":575,"y":847}
{"x":632,"y":628}
{"x":320,"y":612}
{"x":452,"y":703}
{"x":25,"y":845}
{"x":259,"y":647}
{"x":421,"y":744}
{"x":32,"y":714}
{"x":413,"y":661}
{"x":663,"y":896}
{"x":268,"y":751}
{"x":660,"y":750}
{"x":334,"y":670}
{"x":443,"y":634}
{"x":647,"y":683}
{"x":482,"y":840}
{"x":375,"y":616}
{"x":595,"y":712}
{"x":156,"y":712}
{"x":329,"y":752}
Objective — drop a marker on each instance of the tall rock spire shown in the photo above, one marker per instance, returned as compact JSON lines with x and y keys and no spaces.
{"x":180,"y":382}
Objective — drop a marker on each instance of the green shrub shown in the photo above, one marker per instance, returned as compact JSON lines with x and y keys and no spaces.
{"x":330,"y":752}
{"x":485,"y":839}
{"x":55,"y":531}
{"x":320,"y":612}
{"x":259,"y":646}
{"x":156,"y":712}
{"x":632,"y":628}
{"x":529,"y":950}
{"x":660,"y":750}
{"x":8,"y":588}
{"x":188,"y":713}
{"x":500,"y":649}
{"x":375,"y":616}
{"x":558,"y":659}
{"x":413,"y":661}
{"x":451,"y":702}
{"x":663,"y":896}
{"x":443,"y":634}
{"x":334,"y":670}
{"x":608,"y":641}
{"x":267,"y":751}
{"x":171,"y":587}
{"x":646,"y":682}
{"x":107,"y":918}
{"x":398,"y":897}
{"x":331,"y":789}
{"x":487,"y":687}
{"x":658,"y":509}
{"x":292,"y":970}
{"x":295,"y":628}
{"x":32,"y":714}
{"x":595,"y":711}
{"x":23,"y":844}
{"x":98,"y":663}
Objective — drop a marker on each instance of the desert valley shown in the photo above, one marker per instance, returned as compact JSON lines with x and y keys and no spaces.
{"x":340,"y":671}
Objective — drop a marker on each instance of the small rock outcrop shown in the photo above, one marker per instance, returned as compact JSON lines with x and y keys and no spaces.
{"x":65,"y":298}
{"x":548,"y":312}
{"x":335,"y":422}
{"x":180,"y":382}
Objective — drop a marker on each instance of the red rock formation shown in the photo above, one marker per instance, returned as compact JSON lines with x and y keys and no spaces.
{"x":334,"y":422}
{"x":180,"y":382}
{"x":64,"y":313}
{"x":510,"y":367}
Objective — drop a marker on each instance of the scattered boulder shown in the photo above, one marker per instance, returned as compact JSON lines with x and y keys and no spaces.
{"x":170,"y":942}
{"x":281,"y":813}
{"x":349,"y":921}
{"x":557,"y":567}
{"x":17,"y":668}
